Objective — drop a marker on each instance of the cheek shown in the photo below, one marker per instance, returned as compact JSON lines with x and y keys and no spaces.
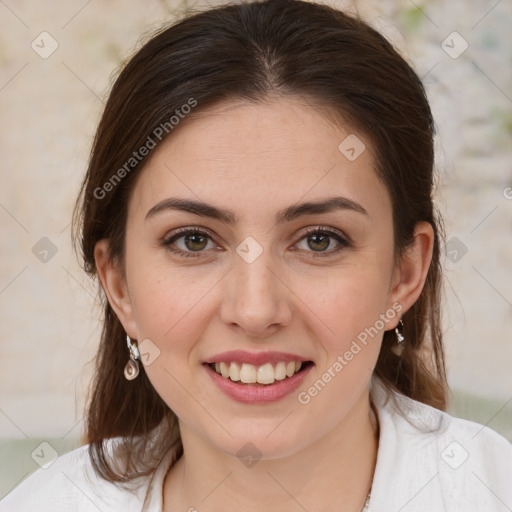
{"x":352,"y":301}
{"x":165,"y":299}
{"x":170,"y":309}
{"x":352,"y":308}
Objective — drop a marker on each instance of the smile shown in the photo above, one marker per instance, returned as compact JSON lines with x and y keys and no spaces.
{"x":265,"y":374}
{"x":254,"y":392}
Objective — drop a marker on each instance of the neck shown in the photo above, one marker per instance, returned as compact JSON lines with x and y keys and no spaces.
{"x":335,"y":472}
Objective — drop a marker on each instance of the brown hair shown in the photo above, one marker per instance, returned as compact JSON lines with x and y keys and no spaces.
{"x":249,"y":51}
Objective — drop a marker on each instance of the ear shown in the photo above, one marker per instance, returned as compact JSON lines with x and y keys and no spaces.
{"x":411,"y":271}
{"x":114,"y":284}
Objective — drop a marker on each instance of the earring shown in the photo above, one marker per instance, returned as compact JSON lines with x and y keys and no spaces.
{"x":398,"y":348}
{"x":131,"y":370}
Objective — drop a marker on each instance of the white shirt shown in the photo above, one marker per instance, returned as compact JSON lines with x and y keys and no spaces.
{"x":462,"y":466}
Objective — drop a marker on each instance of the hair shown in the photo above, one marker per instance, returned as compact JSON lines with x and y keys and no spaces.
{"x":251,"y":52}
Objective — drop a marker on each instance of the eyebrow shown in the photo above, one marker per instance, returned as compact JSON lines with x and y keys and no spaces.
{"x":229,"y":217}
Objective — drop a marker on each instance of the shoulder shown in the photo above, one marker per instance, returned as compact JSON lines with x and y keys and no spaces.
{"x":70,"y":483}
{"x":472,"y":463}
{"x":441,"y":462}
{"x":456,"y":439}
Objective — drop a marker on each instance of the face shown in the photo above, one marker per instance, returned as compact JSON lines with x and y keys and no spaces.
{"x":264,"y":275}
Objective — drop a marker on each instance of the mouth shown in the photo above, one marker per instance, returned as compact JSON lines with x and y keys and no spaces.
{"x":263,"y":375}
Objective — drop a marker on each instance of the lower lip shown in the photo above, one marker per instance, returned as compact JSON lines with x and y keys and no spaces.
{"x":257,"y":394}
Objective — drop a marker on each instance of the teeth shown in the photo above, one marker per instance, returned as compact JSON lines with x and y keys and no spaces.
{"x":224,"y":369}
{"x":264,"y":374}
{"x":248,"y":373}
{"x":234,"y":372}
{"x":280,"y":371}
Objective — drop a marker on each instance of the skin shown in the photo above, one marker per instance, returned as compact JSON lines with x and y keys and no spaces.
{"x":237,"y":155}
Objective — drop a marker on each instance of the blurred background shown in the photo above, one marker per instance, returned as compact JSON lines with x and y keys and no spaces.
{"x":57,"y":63}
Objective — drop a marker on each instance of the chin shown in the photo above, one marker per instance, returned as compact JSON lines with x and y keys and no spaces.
{"x":264,"y":444}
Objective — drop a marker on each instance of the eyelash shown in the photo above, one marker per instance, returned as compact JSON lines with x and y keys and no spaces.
{"x":320,"y":230}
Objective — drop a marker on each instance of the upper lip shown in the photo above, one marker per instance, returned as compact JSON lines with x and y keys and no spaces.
{"x":256,"y":359}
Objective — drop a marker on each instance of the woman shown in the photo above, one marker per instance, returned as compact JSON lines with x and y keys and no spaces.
{"x":258,"y":210}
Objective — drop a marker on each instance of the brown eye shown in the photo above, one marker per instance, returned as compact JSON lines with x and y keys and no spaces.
{"x":188,"y":241}
{"x":195,"y":242}
{"x":319,"y":240}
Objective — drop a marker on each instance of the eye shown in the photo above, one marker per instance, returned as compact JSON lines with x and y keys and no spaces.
{"x":320,"y":239}
{"x":192,"y":240}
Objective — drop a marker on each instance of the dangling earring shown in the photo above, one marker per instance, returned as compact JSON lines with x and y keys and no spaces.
{"x":399,"y":346}
{"x":131,"y":370}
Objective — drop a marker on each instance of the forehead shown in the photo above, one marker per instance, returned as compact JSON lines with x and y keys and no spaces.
{"x":256,"y":154}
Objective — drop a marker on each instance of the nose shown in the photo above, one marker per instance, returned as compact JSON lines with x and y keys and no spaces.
{"x":256,"y":300}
